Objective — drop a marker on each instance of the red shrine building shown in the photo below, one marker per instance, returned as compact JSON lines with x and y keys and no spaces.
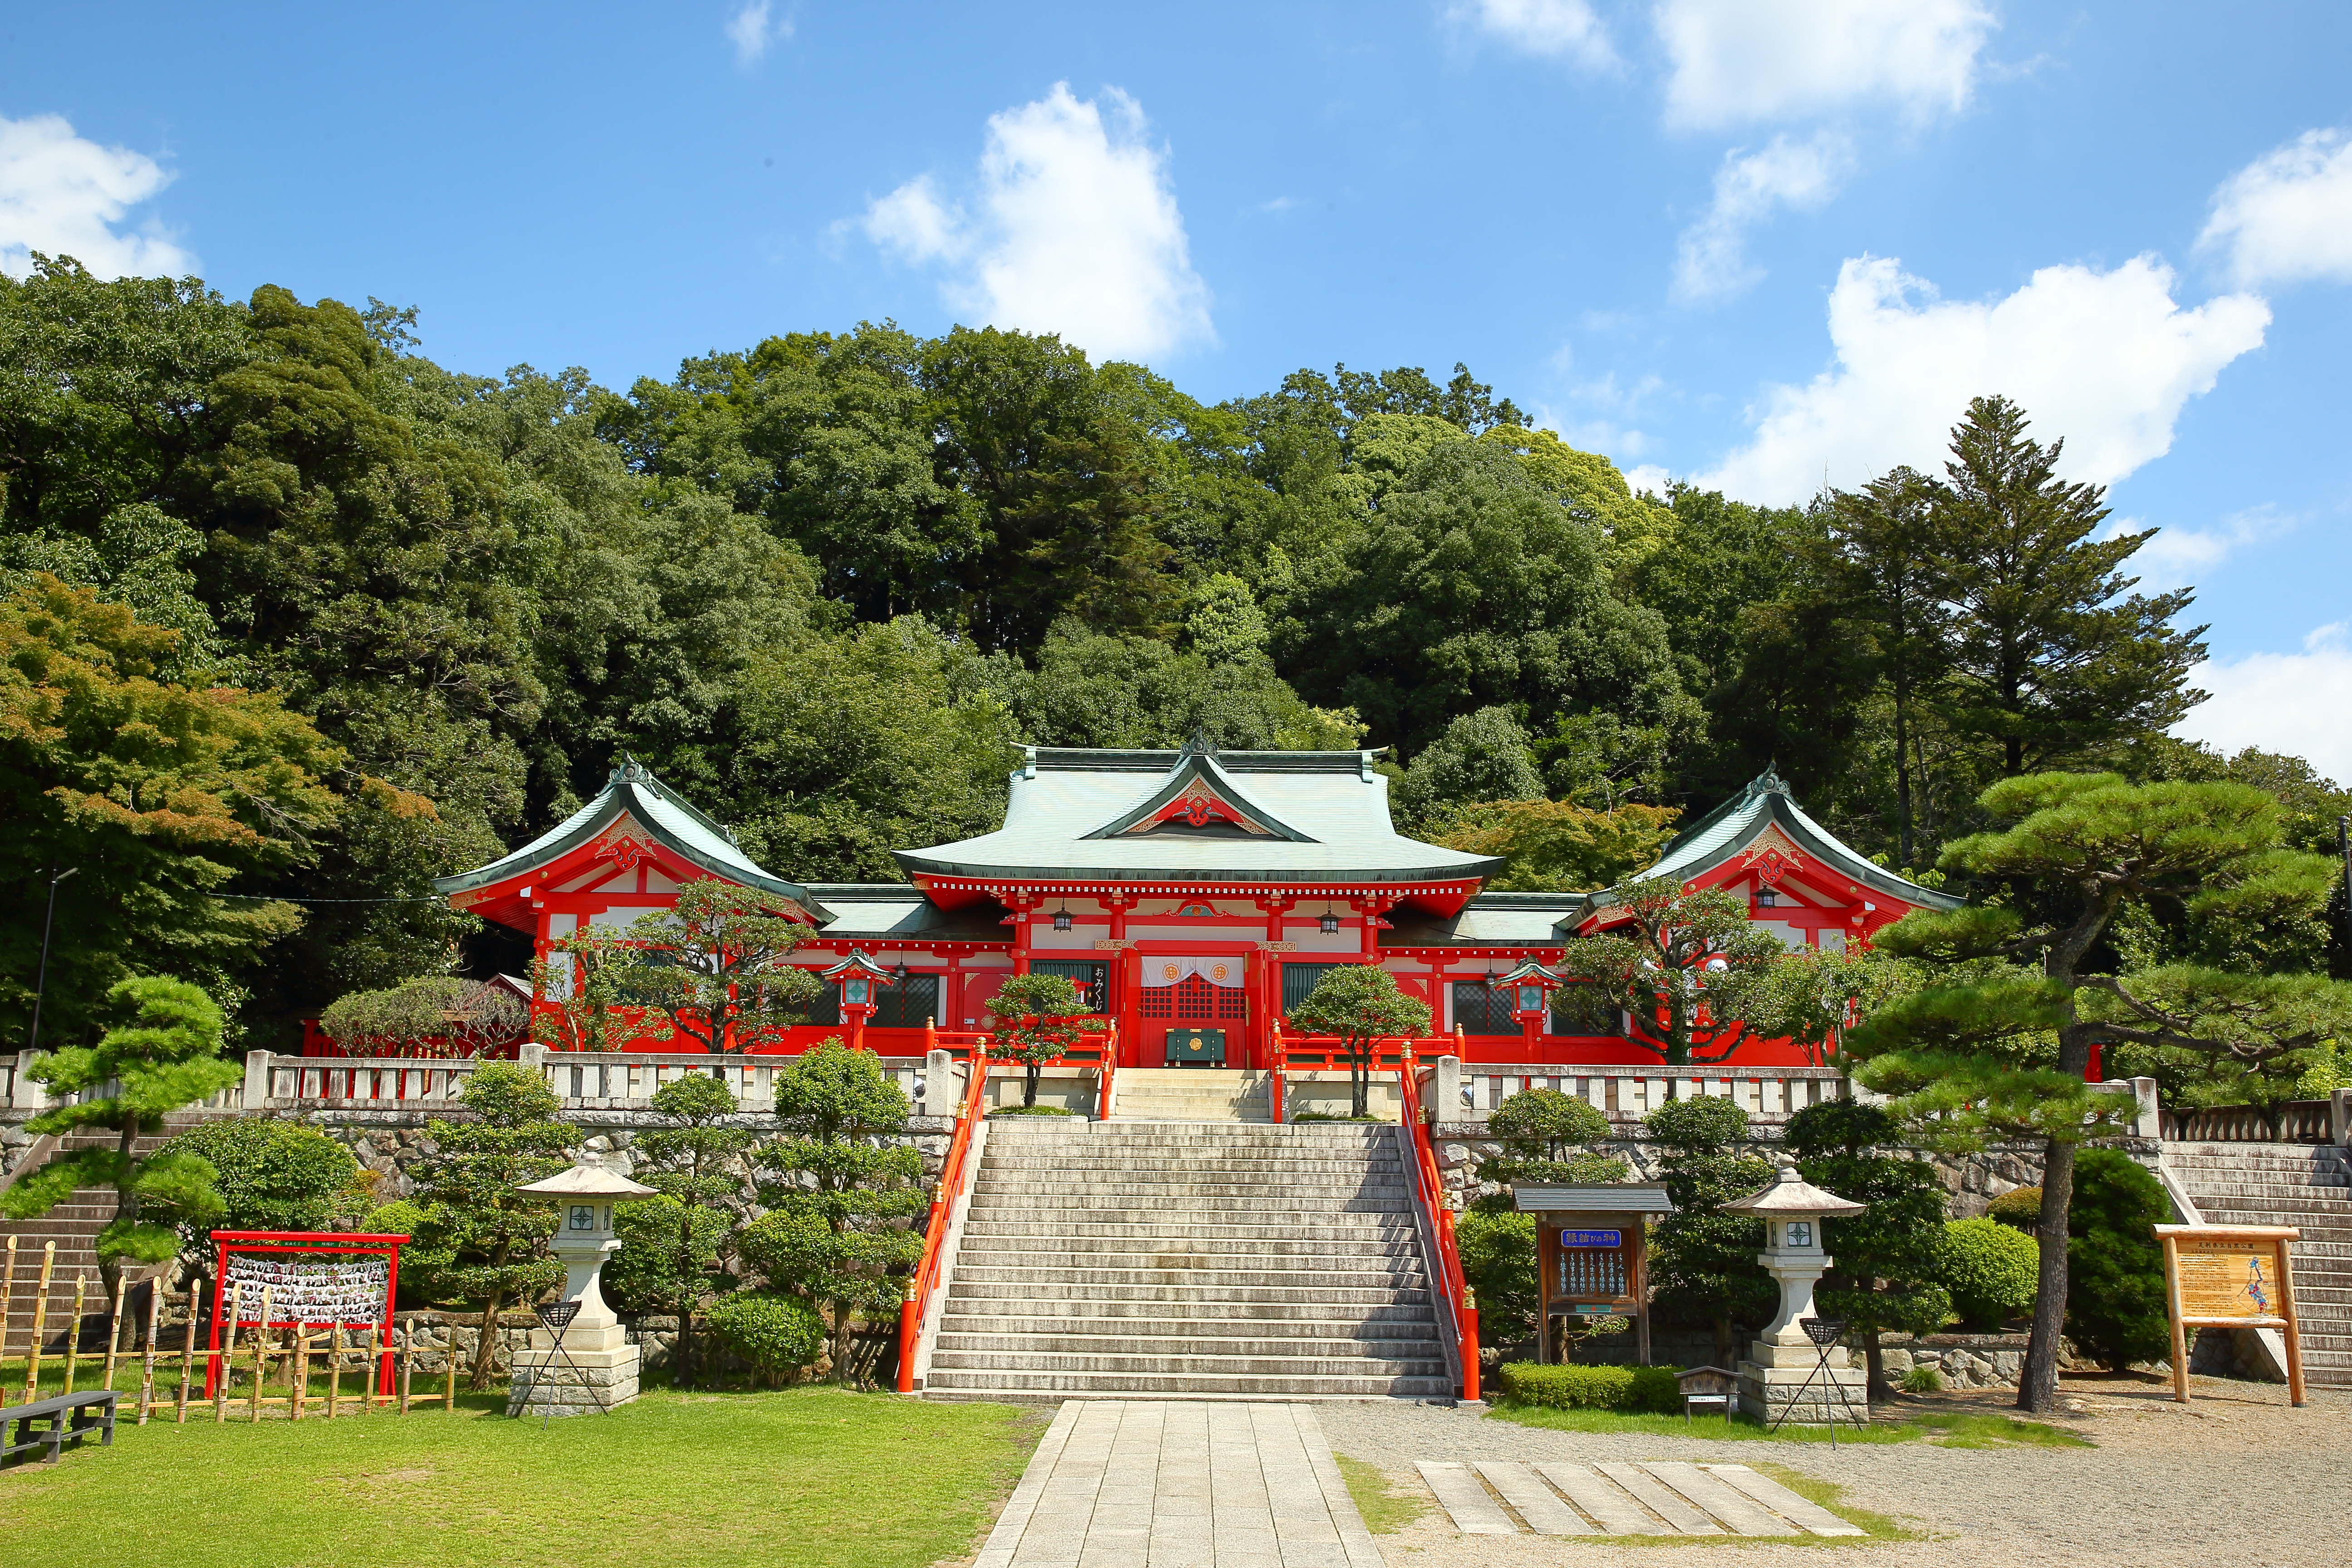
{"x":1191,"y":893}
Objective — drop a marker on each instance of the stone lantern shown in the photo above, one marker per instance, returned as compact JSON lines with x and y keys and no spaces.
{"x":592,"y":1365}
{"x":1787,"y":1374}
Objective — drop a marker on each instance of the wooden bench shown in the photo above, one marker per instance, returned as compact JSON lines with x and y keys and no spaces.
{"x":52,"y":1423}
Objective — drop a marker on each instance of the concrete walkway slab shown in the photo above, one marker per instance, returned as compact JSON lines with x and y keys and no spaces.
{"x":1180,"y":1484}
{"x":1656,"y":1497}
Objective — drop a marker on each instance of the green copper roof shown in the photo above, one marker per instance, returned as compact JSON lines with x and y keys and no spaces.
{"x":1767,"y":803}
{"x":634,"y":792}
{"x":1082,"y":814}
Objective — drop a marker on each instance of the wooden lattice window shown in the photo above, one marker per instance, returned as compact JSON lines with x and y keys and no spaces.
{"x":1193,"y":1000}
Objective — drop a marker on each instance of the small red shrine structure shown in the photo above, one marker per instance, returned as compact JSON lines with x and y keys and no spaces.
{"x":1189,"y":890}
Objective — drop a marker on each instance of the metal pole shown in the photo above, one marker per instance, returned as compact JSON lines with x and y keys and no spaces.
{"x":2344,"y":848}
{"x":41,"y":984}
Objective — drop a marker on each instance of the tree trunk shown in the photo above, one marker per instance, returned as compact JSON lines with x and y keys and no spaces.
{"x":1360,"y":1084}
{"x":1877,"y":1390}
{"x":126,"y":1212}
{"x":477,"y":1380}
{"x":1724,"y":1349}
{"x":1029,"y":1072}
{"x":2037,"y":1384}
{"x":1903,"y":769}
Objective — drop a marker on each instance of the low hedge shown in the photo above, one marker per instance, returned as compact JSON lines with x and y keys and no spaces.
{"x":1650,"y":1388}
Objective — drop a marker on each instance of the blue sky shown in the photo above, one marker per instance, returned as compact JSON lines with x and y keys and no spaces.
{"x":1748,"y":242}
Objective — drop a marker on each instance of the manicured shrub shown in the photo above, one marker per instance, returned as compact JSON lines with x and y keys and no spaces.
{"x":1498,"y":1262}
{"x":1032,"y":1111}
{"x":772,"y":1335}
{"x":2115,"y":1309}
{"x":1989,"y":1269}
{"x":1634,"y":1388}
{"x":273,"y":1175}
{"x":2019,"y":1208}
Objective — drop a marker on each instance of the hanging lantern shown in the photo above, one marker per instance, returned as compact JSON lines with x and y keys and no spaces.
{"x":1062,"y":917}
{"x":1330,"y":923}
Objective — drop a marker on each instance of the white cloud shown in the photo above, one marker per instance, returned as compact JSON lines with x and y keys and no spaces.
{"x":1558,"y":28}
{"x":751,"y":30}
{"x":914,"y":222}
{"x":1648,"y":477}
{"x":2287,"y":215}
{"x":63,"y":196}
{"x":2104,"y":360}
{"x":1076,"y":231}
{"x":2181,"y":557}
{"x":1711,"y":261}
{"x":2290,"y":702}
{"x":1736,"y":61}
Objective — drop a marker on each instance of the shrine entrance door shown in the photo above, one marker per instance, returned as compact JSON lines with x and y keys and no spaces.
{"x":1188,"y":998}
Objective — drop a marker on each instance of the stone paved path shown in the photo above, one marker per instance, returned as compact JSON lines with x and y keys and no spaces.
{"x":1175,"y":1484}
{"x":1656,"y":1498}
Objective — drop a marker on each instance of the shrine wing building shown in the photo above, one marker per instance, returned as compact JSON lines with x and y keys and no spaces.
{"x":1190,"y":891}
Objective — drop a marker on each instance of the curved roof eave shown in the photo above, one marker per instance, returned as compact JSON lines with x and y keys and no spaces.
{"x":920,"y":865}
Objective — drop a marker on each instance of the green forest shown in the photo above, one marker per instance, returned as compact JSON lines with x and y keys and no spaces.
{"x":297,"y":618}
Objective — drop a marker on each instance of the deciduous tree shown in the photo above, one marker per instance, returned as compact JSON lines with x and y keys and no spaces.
{"x":1360,"y":1004}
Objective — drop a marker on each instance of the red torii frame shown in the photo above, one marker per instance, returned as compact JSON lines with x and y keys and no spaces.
{"x":301,"y":1244}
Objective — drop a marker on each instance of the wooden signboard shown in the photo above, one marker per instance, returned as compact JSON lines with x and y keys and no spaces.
{"x":1592,"y":1266}
{"x":2232,"y":1277}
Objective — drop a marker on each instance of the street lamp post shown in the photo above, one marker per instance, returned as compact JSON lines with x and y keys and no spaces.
{"x":41,"y":982}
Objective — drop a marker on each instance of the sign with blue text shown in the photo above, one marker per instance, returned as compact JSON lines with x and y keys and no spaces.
{"x":1593,"y":1238}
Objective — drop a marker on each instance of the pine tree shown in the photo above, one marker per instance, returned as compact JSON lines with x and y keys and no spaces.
{"x":2002,"y":1049}
{"x":166,"y":1059}
{"x":496,"y":1235}
{"x":1036,"y":1012}
{"x":1886,"y":542}
{"x":844,"y":1203}
{"x":2051,"y":660}
{"x":1360,"y":1003}
{"x":1883,"y":1274}
{"x":693,"y":1163}
{"x":1702,"y":1261}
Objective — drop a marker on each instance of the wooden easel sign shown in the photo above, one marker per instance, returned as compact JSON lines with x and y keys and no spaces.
{"x":2231,"y":1277}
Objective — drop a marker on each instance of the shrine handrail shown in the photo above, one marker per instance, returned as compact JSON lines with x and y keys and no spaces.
{"x":1453,"y":1290}
{"x":955,"y":1172}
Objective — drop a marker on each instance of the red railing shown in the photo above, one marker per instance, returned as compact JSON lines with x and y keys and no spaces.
{"x":1450,"y":1287}
{"x":954,"y":1172}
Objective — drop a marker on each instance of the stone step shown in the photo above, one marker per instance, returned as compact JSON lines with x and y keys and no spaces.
{"x":1177,"y":1179}
{"x":1165,"y":1195}
{"x":1267,"y":1173}
{"x":1190,"y":1295}
{"x":1183,"y":1365}
{"x":980,"y":1382}
{"x":1091,"y":1251}
{"x":1215,"y":1320}
{"x":1220,"y":1280}
{"x":1292,"y":1162}
{"x":1068,"y":1350}
{"x":1365,"y":1228}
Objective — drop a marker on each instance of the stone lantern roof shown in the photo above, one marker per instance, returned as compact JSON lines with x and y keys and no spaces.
{"x":587,"y":1181}
{"x":1793,"y":1194}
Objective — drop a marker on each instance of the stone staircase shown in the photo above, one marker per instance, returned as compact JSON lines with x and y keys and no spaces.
{"x":2302,"y":1184}
{"x":1191,"y":1094}
{"x":1216,"y":1260}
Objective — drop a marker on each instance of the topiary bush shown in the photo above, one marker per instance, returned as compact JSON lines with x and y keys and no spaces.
{"x":273,"y":1175}
{"x":1498,"y":1263}
{"x":1545,"y":1136}
{"x":772,"y":1335}
{"x":1629,"y":1388}
{"x":1989,"y":1269}
{"x":2115,"y":1308}
{"x":2019,"y":1208}
{"x":1031,"y":1111}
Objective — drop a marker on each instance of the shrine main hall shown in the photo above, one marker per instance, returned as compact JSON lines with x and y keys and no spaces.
{"x":1191,"y":892}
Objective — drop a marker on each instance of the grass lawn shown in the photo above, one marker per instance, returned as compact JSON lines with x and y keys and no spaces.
{"x":1948,"y":1429}
{"x":1385,"y":1509}
{"x":803,"y":1476}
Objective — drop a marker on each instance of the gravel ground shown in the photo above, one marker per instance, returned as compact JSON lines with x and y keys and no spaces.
{"x":2236,"y":1479}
